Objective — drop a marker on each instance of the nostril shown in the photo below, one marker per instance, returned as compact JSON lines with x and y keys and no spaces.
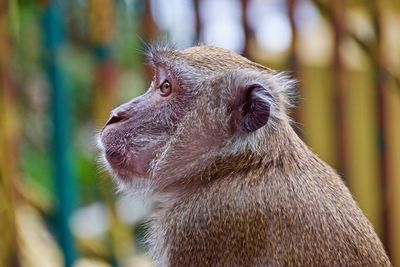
{"x":114,"y":119}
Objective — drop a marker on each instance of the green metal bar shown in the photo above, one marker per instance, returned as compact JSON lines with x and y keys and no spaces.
{"x":54,"y":41}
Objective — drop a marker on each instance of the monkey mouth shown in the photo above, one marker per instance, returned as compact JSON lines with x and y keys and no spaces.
{"x":126,"y":162}
{"x":117,"y":161}
{"x":113,"y":154}
{"x":114,"y":158}
{"x":119,"y":166}
{"x":126,"y":166}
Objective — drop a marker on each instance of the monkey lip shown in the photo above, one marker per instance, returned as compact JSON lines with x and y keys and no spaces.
{"x":114,"y":158}
{"x":113,"y":154}
{"x":125,"y":161}
{"x":124,"y":166}
{"x":117,"y":163}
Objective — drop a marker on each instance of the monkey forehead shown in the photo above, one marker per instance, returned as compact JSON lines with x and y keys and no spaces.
{"x":203,"y":58}
{"x":217,"y":58}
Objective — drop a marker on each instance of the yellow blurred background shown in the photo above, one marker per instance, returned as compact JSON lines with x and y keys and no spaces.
{"x":64,"y":64}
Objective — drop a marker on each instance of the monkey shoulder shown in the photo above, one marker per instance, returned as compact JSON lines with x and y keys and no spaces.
{"x":271,"y":222}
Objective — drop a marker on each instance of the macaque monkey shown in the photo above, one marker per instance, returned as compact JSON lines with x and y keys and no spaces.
{"x":210,"y":143}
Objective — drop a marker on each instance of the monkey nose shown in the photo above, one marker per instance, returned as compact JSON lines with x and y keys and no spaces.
{"x":115,"y":117}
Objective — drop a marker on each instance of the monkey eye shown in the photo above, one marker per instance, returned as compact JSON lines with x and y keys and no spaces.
{"x":166,"y":88}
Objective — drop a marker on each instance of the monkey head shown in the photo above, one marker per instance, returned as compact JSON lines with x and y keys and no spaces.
{"x":203,"y":103}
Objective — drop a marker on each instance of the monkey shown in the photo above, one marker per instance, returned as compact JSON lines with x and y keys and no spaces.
{"x":211,"y":145}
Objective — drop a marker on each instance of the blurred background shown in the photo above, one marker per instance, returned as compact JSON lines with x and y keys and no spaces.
{"x":64,"y":64}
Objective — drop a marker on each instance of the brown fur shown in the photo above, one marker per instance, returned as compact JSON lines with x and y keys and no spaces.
{"x":288,"y":210}
{"x":226,"y":197}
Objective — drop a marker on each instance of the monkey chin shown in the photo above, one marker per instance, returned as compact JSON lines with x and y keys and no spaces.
{"x":125,"y":162}
{"x":138,"y":187}
{"x":123,"y":169}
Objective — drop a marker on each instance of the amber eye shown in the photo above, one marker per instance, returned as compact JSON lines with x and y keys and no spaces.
{"x":165,"y":88}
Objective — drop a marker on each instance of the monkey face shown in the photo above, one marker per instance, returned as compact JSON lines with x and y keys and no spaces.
{"x":202,"y":102}
{"x":137,"y":130}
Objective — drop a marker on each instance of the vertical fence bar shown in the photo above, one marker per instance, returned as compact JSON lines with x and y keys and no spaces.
{"x":101,"y":29}
{"x":54,"y":41}
{"x":293,"y":61}
{"x":293,"y":56}
{"x":149,"y":26}
{"x":8,"y":146}
{"x":381,"y":85}
{"x":338,"y":22}
{"x":149,"y":30}
{"x":248,"y":32}
{"x":198,"y":20}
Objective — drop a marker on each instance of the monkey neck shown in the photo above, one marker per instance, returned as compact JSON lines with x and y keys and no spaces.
{"x":282,"y":143}
{"x":277,"y":155}
{"x":275,"y":148}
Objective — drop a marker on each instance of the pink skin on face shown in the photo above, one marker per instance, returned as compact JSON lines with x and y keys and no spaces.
{"x":137,"y":129}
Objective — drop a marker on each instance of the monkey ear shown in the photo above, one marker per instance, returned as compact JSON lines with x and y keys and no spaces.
{"x":254,"y":107}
